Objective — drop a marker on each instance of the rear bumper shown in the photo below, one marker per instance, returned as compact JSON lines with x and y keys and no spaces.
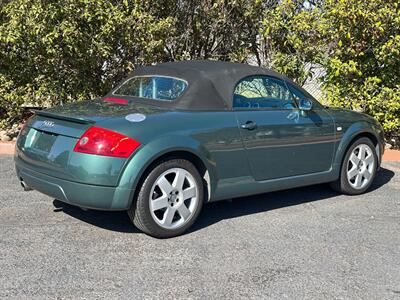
{"x":83,"y":195}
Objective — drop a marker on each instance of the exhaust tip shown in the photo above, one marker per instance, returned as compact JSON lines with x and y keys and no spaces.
{"x":25,"y":186}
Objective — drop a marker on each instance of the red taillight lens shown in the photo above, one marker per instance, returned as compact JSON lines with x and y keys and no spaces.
{"x":105,"y":142}
{"x":116,"y":100}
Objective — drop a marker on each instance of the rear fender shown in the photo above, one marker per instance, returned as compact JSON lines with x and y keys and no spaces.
{"x":150,"y":152}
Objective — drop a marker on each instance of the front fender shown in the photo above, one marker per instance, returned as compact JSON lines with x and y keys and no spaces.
{"x":150,"y":152}
{"x":348,"y":137}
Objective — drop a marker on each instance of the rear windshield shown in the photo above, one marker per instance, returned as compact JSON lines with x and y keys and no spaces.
{"x":152,"y":87}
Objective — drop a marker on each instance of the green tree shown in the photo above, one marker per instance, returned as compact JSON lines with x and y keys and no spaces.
{"x":219,"y":29}
{"x":357,"y":42}
{"x":53,"y":51}
{"x":290,"y":38}
{"x":70,"y":50}
{"x":362,"y":49}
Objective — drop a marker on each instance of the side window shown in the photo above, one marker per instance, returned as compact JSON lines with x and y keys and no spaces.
{"x":262,"y":92}
{"x":299,"y":95}
{"x":153,"y":87}
{"x":296,"y":92}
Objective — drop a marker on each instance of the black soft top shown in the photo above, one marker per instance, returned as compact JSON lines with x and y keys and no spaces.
{"x":210,"y":83}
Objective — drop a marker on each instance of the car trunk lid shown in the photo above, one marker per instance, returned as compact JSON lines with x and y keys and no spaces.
{"x":47,"y":142}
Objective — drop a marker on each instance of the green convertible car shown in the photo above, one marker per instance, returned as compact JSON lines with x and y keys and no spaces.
{"x":174,"y":136}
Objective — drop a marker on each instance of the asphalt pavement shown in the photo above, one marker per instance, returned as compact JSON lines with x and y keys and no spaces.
{"x":306,"y":243}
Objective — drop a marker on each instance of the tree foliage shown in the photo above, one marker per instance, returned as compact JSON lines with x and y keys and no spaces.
{"x":356,"y":42}
{"x":291,"y":38}
{"x":53,"y":51}
{"x":69,"y":50}
{"x":223,"y":30}
{"x":362,"y":41}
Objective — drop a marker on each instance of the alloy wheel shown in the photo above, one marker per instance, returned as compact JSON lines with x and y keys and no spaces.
{"x":361,"y":166}
{"x":173,"y":198}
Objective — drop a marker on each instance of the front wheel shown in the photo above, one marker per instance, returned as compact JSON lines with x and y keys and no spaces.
{"x":170,"y":199}
{"x":358,"y":168}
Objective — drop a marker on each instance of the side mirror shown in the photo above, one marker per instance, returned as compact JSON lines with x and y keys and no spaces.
{"x":305,"y":104}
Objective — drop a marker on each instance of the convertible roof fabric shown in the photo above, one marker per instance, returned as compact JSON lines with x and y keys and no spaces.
{"x":210,"y":83}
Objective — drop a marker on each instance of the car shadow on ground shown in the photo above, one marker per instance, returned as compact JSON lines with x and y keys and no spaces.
{"x":216,"y":211}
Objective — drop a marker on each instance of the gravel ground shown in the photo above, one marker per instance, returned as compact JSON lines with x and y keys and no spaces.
{"x":303,"y":243}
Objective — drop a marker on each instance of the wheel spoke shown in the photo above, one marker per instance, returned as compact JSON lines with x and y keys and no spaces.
{"x":179,"y":179}
{"x":369,"y":159}
{"x":168,"y":216}
{"x":367,"y":175}
{"x":354,"y":159}
{"x":189,"y":193}
{"x":353,"y":172}
{"x":361,"y":154}
{"x":183,"y":211}
{"x":159,"y":203}
{"x":358,"y":181}
{"x":164,"y":185}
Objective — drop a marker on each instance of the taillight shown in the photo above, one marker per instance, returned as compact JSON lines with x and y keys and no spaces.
{"x":116,"y":100}
{"x":105,"y":142}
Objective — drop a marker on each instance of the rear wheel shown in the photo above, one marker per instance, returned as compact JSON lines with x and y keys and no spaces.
{"x":358,"y":168}
{"x":170,"y":199}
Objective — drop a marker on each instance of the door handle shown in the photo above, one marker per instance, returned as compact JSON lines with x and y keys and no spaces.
{"x":249,"y":125}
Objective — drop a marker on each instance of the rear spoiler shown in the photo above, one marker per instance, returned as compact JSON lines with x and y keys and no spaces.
{"x":61,"y":117}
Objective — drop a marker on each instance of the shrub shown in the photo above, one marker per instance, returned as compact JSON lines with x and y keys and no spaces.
{"x":70,"y":50}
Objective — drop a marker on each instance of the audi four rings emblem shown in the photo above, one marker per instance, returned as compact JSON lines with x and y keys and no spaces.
{"x":47,"y":123}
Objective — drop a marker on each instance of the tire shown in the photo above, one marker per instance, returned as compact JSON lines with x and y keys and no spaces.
{"x":358,"y":169}
{"x":169,"y":200}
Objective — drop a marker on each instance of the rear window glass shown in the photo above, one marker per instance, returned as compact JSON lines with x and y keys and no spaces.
{"x":152,"y":87}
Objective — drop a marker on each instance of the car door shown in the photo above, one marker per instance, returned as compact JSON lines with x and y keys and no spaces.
{"x":281,"y":140}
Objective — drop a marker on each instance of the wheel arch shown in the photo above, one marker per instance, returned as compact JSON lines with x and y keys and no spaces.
{"x":189,"y":155}
{"x":355,"y":132}
{"x":168,"y":147}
